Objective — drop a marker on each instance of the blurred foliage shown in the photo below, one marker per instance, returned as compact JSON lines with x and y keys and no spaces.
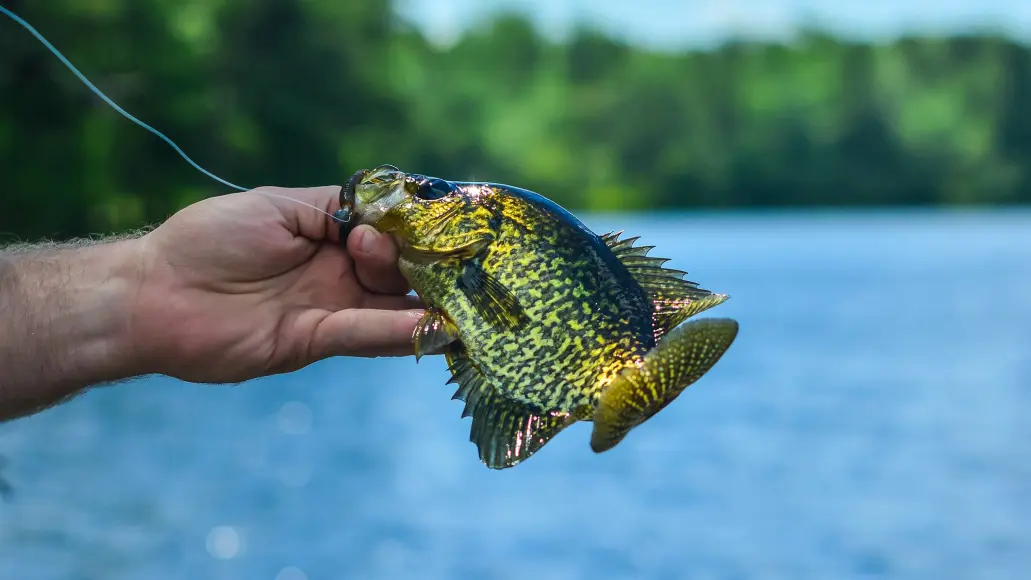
{"x":297,"y":93}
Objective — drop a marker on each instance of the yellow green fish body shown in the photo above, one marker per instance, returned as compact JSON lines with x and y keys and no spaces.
{"x":543,"y":323}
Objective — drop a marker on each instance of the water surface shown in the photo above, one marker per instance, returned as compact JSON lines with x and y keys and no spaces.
{"x":873,"y":419}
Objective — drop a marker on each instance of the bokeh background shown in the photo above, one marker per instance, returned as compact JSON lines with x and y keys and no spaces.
{"x":852,"y":173}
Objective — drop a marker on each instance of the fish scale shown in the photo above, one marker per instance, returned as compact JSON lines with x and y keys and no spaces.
{"x":545,"y":368}
{"x":543,"y":323}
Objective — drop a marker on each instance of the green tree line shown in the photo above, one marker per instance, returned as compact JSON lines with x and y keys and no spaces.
{"x":297,"y":93}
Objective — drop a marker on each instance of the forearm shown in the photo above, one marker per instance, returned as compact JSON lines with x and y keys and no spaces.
{"x":65,"y":321}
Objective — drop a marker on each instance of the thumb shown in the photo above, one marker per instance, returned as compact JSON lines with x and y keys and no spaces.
{"x":307,"y":211}
{"x":366,"y":332}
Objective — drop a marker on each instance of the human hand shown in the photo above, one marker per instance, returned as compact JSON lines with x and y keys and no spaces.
{"x":246,"y":285}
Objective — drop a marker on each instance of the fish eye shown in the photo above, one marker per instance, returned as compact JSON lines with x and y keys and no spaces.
{"x":433,"y":188}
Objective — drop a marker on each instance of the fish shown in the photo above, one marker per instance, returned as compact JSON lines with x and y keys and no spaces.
{"x":542,"y":322}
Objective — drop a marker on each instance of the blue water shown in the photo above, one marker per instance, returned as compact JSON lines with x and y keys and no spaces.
{"x":872,"y":420}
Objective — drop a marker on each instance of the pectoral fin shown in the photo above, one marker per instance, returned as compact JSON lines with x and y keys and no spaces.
{"x":678,"y":360}
{"x":495,"y":303}
{"x":505,"y":431}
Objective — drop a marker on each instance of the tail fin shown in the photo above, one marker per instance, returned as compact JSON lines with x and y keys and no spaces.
{"x":678,"y":360}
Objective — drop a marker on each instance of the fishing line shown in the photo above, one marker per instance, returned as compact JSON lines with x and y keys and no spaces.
{"x":111,"y":103}
{"x":304,"y":203}
{"x":126,"y":114}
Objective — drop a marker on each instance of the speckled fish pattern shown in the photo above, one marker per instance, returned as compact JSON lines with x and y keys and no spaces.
{"x":545,"y":323}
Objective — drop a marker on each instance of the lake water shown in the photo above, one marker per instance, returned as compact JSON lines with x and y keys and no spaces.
{"x":873,"y":419}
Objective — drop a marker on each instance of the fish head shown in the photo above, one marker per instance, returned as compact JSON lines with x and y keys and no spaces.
{"x":405,"y":204}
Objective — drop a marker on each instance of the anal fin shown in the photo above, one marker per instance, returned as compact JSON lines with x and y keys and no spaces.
{"x":679,"y":359}
{"x":506,"y":432}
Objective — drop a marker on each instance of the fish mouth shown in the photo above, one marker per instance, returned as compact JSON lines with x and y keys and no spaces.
{"x":370,"y":194}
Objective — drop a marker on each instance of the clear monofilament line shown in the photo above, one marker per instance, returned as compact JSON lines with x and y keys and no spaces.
{"x":304,"y":203}
{"x":111,"y":103}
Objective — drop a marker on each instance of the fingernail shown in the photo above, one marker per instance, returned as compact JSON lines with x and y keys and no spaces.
{"x":367,"y":241}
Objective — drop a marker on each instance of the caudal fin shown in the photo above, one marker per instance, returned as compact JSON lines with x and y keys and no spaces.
{"x":679,"y":359}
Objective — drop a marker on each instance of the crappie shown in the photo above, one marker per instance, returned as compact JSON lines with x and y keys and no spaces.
{"x":543,"y":323}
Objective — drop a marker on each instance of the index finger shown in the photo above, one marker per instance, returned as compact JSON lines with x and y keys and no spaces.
{"x":366,"y":332}
{"x":308,"y":211}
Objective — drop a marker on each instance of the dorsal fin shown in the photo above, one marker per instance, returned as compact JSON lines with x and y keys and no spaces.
{"x":674,"y":299}
{"x":668,"y":313}
{"x":505,"y":431}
